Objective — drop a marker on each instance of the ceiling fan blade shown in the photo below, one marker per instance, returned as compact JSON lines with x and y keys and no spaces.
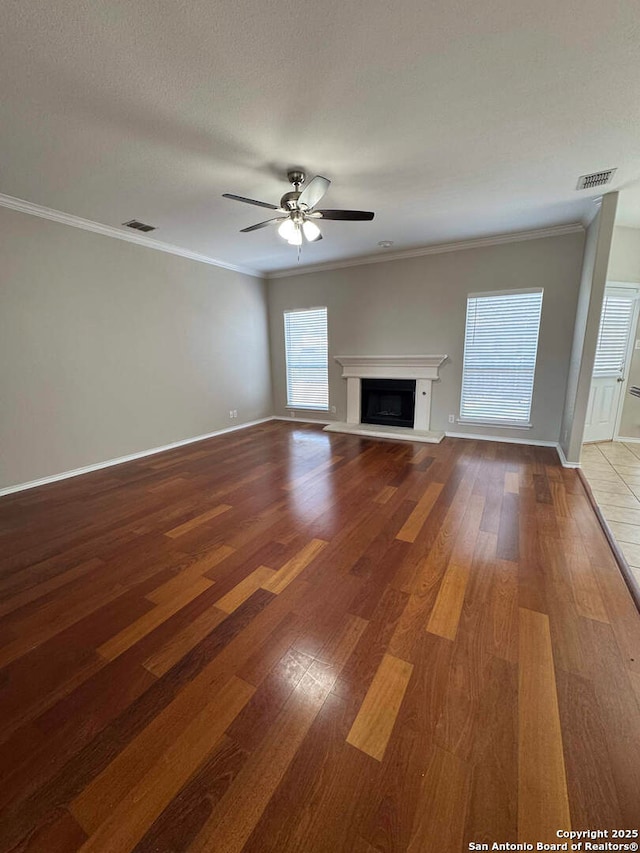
{"x":250,"y":201}
{"x":263,"y":224}
{"x":351,"y":215}
{"x":314,"y":191}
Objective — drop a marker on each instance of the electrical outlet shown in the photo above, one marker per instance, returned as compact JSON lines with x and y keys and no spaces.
{"x":235,"y":413}
{"x":292,"y":414}
{"x":452,"y":419}
{"x":230,"y":414}
{"x":333,"y":410}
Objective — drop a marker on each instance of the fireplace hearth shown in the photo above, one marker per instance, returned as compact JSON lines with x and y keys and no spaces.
{"x":388,"y":402}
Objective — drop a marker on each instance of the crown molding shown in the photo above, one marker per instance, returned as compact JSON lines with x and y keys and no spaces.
{"x":32,"y":209}
{"x":435,"y":249}
{"x":22,"y":206}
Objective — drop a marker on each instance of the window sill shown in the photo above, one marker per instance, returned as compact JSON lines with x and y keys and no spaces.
{"x":499,"y":424}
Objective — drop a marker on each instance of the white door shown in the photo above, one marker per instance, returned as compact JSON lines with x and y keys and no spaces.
{"x":617,"y":321}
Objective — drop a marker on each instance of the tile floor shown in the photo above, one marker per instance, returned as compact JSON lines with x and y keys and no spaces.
{"x":613,"y":471}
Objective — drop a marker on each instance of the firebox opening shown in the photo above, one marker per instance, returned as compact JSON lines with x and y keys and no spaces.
{"x":390,"y":402}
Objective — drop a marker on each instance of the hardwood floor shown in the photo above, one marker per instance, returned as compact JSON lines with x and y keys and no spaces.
{"x":289,"y":640}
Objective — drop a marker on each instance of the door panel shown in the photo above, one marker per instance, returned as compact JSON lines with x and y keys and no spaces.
{"x":602,"y":409}
{"x":618,"y":318}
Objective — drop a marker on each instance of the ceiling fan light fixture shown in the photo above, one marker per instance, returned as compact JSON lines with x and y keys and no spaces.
{"x":286,"y":229}
{"x":297,"y":210}
{"x":311,"y":230}
{"x":296,"y":236}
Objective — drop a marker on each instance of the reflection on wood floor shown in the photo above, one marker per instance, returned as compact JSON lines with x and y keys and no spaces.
{"x":283,"y":640}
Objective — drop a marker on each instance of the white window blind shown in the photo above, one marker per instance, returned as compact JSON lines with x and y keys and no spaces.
{"x":306,"y":352}
{"x":500,"y":349}
{"x":613,"y":337}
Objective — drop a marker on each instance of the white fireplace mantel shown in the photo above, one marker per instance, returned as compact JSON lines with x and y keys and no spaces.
{"x":390,"y":366}
{"x":423,"y":368}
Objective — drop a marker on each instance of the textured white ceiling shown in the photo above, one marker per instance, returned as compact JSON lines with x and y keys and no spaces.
{"x":450,"y":119}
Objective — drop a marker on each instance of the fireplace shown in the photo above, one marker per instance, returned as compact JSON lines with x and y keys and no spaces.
{"x":389,"y":402}
{"x":389,"y":396}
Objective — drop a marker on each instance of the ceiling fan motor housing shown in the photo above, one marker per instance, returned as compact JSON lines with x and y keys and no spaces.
{"x":289,"y":201}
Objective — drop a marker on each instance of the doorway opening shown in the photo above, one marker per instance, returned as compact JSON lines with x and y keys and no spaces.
{"x":614,"y":353}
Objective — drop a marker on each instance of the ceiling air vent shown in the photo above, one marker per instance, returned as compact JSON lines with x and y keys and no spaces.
{"x":596,"y":179}
{"x":139,"y":226}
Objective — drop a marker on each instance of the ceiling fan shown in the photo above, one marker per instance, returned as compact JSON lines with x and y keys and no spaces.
{"x":298,"y":208}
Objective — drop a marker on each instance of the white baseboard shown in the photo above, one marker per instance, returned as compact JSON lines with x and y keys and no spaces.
{"x":97,"y":466}
{"x":471,"y":436}
{"x":86,"y":469}
{"x":501,"y":438}
{"x":300,"y":420}
{"x":627,"y":440}
{"x":563,"y":459}
{"x":533,"y":441}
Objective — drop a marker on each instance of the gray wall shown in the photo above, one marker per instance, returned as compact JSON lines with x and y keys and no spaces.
{"x":418,"y":305}
{"x":624,"y":265}
{"x":585,"y":335}
{"x":624,"y":262}
{"x":108,"y":348}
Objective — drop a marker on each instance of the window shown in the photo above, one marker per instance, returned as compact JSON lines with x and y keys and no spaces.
{"x":306,"y":353}
{"x":613,"y":336}
{"x":500,"y":349}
